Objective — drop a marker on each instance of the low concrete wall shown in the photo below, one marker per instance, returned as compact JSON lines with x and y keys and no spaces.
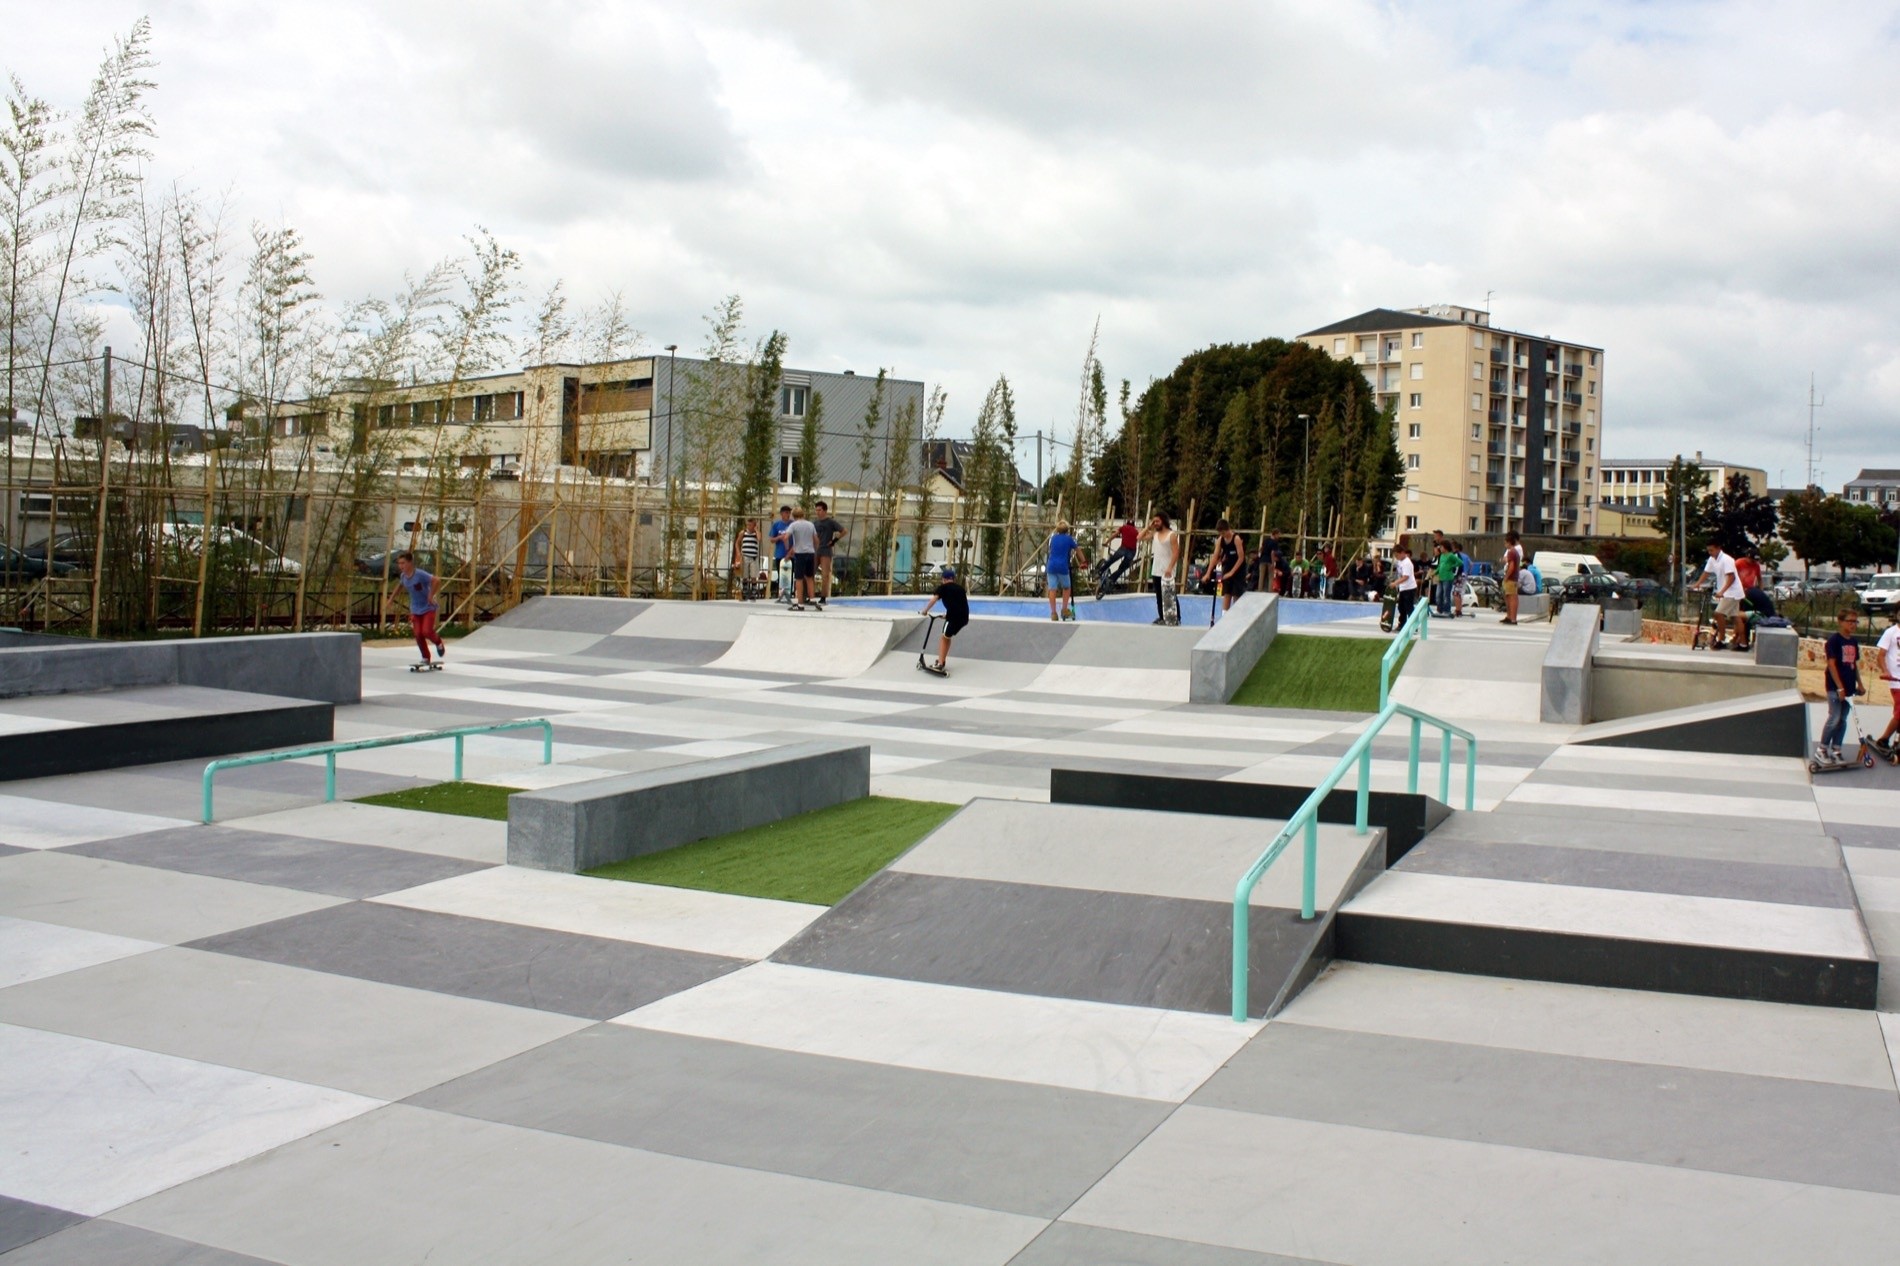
{"x":1567,"y":676}
{"x":327,"y":667}
{"x":583,"y":825}
{"x":1633,"y":680}
{"x":1227,"y":652}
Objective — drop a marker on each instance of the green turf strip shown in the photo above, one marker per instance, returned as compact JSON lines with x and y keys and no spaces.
{"x":816,"y":857}
{"x":1329,"y":674}
{"x":465,"y":799}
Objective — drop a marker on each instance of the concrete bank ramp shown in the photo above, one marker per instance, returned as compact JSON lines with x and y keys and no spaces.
{"x":1104,"y":905}
{"x":1773,"y":724}
{"x":1116,"y":661}
{"x":813,"y":643}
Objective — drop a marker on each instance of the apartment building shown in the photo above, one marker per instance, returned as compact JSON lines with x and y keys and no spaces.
{"x":1874,"y":487}
{"x":625,"y":419}
{"x":1641,"y":482}
{"x":1498,"y":430}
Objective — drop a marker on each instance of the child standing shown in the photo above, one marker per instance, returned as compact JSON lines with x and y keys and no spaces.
{"x":1056,"y":582}
{"x":956,"y":612}
{"x":1889,"y":667}
{"x":421,"y":587}
{"x":1843,"y":683}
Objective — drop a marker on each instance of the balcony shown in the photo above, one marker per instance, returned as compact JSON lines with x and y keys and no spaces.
{"x":1497,"y":356}
{"x":1573,"y":370}
{"x":1520,"y":391}
{"x":1495,"y":448}
{"x":1493,"y":479}
{"x":1517,"y":481}
{"x":1499,"y":386}
{"x":1567,"y":515}
{"x":1572,"y":486}
{"x":1521,"y":360}
{"x":1573,"y":428}
{"x":1573,"y":399}
{"x":1572,"y":457}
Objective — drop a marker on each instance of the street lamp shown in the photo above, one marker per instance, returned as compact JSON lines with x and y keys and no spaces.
{"x":666,"y":527}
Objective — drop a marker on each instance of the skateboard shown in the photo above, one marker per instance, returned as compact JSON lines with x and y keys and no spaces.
{"x":431,"y":667}
{"x":1170,"y":604}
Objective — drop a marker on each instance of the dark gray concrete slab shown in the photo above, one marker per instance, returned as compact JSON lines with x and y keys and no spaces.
{"x":1856,"y":835}
{"x":102,"y":1243}
{"x":1076,"y":1244}
{"x":668,"y":651}
{"x":1007,"y":641}
{"x":283,"y":861}
{"x":1636,"y":784}
{"x":1762,"y":1127}
{"x":1055,"y":942}
{"x":560,"y":613}
{"x":474,"y":958}
{"x":1634,"y":872}
{"x":22,"y":1222}
{"x":1003,"y":1145}
{"x":7,"y":850}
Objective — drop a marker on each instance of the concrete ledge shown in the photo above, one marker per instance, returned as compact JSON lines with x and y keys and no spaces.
{"x":1773,"y":724}
{"x":1634,"y":679}
{"x":303,"y":666}
{"x":1533,"y":606}
{"x":1227,"y":652}
{"x":1777,"y":648}
{"x":1565,"y":698}
{"x":583,"y":825}
{"x":327,"y":667}
{"x":148,"y":741}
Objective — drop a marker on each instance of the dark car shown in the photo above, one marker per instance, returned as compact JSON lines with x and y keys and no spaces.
{"x":1587,"y":587}
{"x":17,"y":568}
{"x":436,"y":562}
{"x":68,"y":547}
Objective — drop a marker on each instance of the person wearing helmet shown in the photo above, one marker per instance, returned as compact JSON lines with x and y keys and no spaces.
{"x":956,"y":612}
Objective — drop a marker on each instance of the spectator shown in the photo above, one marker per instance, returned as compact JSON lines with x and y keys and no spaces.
{"x":1512,"y":566}
{"x":1843,"y":684}
{"x":1407,"y":578}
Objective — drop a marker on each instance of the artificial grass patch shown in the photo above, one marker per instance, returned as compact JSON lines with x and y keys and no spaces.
{"x":816,"y":857}
{"x":465,"y":799}
{"x":1328,"y":674}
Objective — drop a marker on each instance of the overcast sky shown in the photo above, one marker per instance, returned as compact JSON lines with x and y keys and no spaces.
{"x":1710,"y":191}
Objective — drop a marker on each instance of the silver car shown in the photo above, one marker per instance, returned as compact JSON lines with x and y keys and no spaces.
{"x":1882,"y":593}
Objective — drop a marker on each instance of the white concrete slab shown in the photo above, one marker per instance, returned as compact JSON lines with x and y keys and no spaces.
{"x":1762,"y":1039}
{"x":90,"y":1126}
{"x":681,"y":918}
{"x":952,"y":791}
{"x":1739,"y":805}
{"x":1091,"y":1046}
{"x":1641,"y":916}
{"x":139,"y":901}
{"x":1164,"y":685}
{"x":1861,"y":806}
{"x":346,"y":822}
{"x":31,"y":950}
{"x":30,"y":823}
{"x":810,"y":643}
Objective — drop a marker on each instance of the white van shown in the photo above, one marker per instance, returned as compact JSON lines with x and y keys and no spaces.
{"x":1556,"y":568}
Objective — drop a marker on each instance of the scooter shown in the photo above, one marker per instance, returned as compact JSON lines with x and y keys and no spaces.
{"x":930,"y":633}
{"x":1864,"y":758}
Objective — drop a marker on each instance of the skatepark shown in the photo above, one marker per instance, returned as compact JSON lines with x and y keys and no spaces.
{"x":1641,"y":955}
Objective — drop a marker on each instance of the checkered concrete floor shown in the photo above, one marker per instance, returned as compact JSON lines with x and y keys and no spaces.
{"x":343,"y":1034}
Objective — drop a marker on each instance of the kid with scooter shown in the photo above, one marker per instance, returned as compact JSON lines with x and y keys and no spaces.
{"x":1843,"y":684}
{"x":1888,"y":665}
{"x":956,"y":614}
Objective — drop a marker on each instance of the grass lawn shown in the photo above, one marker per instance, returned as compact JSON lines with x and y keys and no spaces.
{"x":466,"y":799}
{"x":1331,"y":674}
{"x":816,"y":857}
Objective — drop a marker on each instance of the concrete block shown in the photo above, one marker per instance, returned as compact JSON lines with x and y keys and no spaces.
{"x":1778,"y":648}
{"x":1227,"y":652}
{"x":583,"y":825}
{"x":1623,"y":623}
{"x":1533,"y":606}
{"x":1567,"y":665}
{"x":75,"y":665}
{"x":322,"y":666}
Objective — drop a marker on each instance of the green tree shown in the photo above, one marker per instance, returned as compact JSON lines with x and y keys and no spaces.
{"x":1738,"y":517}
{"x":808,"y":449}
{"x":760,"y":442}
{"x":1685,"y":486}
{"x":1815,"y":526}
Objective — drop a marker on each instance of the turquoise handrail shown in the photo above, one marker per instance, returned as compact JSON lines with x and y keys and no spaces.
{"x":329,"y":751}
{"x":1306,"y":819}
{"x":1413,"y":630}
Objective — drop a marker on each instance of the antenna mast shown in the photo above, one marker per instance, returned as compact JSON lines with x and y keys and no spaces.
{"x":1813,"y":404}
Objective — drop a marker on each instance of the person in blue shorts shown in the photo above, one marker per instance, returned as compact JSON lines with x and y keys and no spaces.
{"x":781,"y":569}
{"x":1056,"y":583}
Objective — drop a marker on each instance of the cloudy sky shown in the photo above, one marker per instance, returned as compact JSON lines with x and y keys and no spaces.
{"x":1710,"y":191}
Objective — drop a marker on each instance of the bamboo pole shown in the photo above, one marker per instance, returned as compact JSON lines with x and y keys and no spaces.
{"x":204,"y":544}
{"x":389,"y":552}
{"x":1187,"y":540}
{"x":303,"y":564}
{"x":99,"y":523}
{"x":554,"y":527}
{"x":633,"y":522}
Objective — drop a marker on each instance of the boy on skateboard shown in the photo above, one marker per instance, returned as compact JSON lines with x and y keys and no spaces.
{"x":956,"y":613}
{"x":422,"y":610}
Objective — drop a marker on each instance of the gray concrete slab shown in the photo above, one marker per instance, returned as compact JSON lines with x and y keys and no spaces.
{"x":1226,"y":653}
{"x":1796,"y":1131}
{"x":22,"y":1222}
{"x":408,"y":1185}
{"x":1073,"y":1244}
{"x":994,"y":1144}
{"x":475,"y":958}
{"x":104,"y":1243}
{"x":282,"y":861}
{"x":566,"y":614}
{"x":137,"y":901}
{"x":1568,"y":667}
{"x":1633,"y":871}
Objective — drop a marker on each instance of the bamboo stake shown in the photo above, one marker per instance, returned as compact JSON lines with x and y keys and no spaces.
{"x":303,"y":564}
{"x":554,"y":527}
{"x":389,"y":551}
{"x":633,"y":522}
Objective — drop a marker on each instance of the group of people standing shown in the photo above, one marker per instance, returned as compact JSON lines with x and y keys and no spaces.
{"x":801,"y":557}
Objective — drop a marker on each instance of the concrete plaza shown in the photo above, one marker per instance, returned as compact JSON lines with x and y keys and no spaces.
{"x":336,"y":1033}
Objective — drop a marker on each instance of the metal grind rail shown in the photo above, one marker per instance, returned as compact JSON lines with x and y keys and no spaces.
{"x":1306,"y":819}
{"x":329,"y":751}
{"x":1413,"y":630}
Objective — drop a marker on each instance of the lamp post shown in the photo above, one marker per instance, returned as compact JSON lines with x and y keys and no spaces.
{"x":666,"y":523}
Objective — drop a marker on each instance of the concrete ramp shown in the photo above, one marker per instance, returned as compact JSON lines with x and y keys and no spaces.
{"x":1772,"y":724}
{"x":813,"y":643}
{"x":1107,"y":905}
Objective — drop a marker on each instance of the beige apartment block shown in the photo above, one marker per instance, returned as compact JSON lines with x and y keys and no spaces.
{"x":1634,"y":487}
{"x":1498,"y":430}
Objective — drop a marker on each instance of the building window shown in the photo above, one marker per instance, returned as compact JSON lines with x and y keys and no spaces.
{"x":1418,"y":340}
{"x":1471,"y":493}
{"x":1411,"y":523}
{"x":1411,"y":461}
{"x":1593,"y":360}
{"x":788,"y":468}
{"x":1590,"y":445}
{"x":1418,"y":369}
{"x":791,"y":403}
{"x":1591,"y":386}
{"x":1477,"y":431}
{"x":1339,"y":347}
{"x":1477,"y":371}
{"x":1417,"y":401}
{"x":1471,"y":524}
{"x":1474,"y":463}
{"x":1477,"y":402}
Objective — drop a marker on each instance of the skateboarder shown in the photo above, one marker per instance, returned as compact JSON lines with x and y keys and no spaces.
{"x":422,"y":589}
{"x":1161,"y":568}
{"x":956,"y":614}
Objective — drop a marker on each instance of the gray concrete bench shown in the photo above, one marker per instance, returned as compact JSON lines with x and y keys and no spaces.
{"x":327,"y":667}
{"x":1227,"y":652}
{"x":583,"y":825}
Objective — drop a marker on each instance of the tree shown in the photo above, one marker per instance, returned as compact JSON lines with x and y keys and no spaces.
{"x":1865,"y":541}
{"x":760,"y":442}
{"x":808,"y":449}
{"x":1091,"y":412}
{"x":1685,"y":486}
{"x":930,"y":428}
{"x":1814,"y":526}
{"x":990,"y":475}
{"x":1738,"y":517}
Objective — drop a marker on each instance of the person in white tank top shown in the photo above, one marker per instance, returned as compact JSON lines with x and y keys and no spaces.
{"x":1166,"y":540}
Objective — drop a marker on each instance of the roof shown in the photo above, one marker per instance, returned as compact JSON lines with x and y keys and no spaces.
{"x":1704,"y":462}
{"x":1875,"y":476}
{"x":1377,"y":320}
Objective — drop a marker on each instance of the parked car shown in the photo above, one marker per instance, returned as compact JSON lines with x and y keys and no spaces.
{"x":69,"y":547}
{"x":231,"y":546}
{"x":437,"y":563}
{"x":17,"y":568}
{"x":1882,"y":593}
{"x":1593,"y":587}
